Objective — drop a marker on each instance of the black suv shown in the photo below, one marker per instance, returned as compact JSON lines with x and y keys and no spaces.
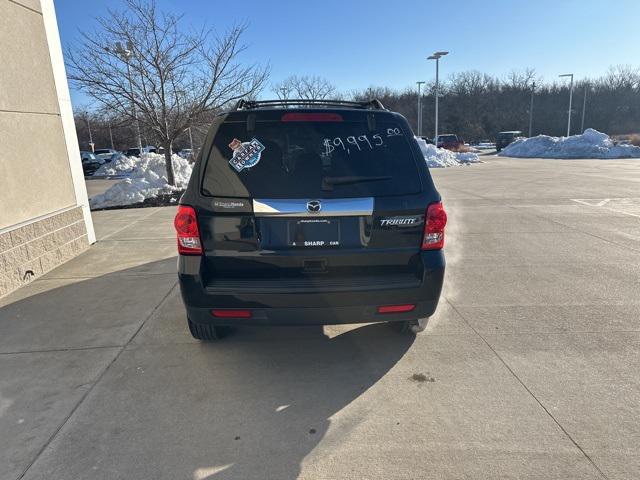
{"x":309,"y":212}
{"x":504,"y":139}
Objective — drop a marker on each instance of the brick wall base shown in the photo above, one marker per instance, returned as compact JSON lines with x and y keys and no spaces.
{"x":31,"y":250}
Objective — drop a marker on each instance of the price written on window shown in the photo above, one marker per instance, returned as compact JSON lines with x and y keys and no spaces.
{"x":359,"y":142}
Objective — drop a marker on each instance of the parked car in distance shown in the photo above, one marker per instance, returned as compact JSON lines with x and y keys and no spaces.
{"x":186,"y":153}
{"x":505,"y":138}
{"x":309,"y":216}
{"x":450,"y":141}
{"x":106,"y":154}
{"x":132,"y":152}
{"x":102,"y":151}
{"x":90,"y":162}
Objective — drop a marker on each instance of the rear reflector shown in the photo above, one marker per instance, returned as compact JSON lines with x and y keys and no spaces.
{"x":434,"y":223}
{"x":188,"y":234}
{"x":396,"y":308}
{"x":231,"y":313}
{"x":311,"y":117}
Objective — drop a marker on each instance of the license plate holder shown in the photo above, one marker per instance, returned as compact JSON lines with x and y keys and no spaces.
{"x":314,"y":233}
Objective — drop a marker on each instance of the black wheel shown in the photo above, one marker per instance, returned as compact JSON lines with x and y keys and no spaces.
{"x":207,"y":333}
{"x":411,"y":327}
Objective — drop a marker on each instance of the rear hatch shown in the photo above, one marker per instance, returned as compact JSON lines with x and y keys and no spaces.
{"x":332,"y":200}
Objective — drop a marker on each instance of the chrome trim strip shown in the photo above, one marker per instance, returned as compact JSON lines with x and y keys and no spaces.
{"x":334,"y":207}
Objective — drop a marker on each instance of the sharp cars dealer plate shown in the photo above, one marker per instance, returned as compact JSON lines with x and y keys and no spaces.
{"x":314,"y":232}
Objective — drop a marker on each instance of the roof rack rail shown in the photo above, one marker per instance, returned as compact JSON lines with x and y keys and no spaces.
{"x":372,"y":104}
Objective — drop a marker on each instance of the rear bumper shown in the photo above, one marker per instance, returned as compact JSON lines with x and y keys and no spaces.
{"x":312,"y":316}
{"x":285,"y":304}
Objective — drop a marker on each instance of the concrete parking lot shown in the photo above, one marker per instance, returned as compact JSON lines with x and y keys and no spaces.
{"x":529,"y":369}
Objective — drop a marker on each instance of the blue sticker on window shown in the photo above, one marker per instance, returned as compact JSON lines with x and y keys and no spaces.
{"x":245,"y":154}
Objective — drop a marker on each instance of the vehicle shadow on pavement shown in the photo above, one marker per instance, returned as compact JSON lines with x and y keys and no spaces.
{"x":253,"y":405}
{"x":294,"y":385}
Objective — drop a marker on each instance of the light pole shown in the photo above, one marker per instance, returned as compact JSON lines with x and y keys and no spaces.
{"x":419,"y":108}
{"x":436,"y":56}
{"x":284,"y":91}
{"x":92,"y":145}
{"x":533,"y":88}
{"x":110,"y":135}
{"x":125,"y":54}
{"x":584,"y":106}
{"x":191,"y":140}
{"x":570,"y":99}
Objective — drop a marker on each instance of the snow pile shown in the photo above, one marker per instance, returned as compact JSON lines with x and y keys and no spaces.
{"x":122,"y":165}
{"x":591,"y":144}
{"x":147,"y":179}
{"x":440,"y":157}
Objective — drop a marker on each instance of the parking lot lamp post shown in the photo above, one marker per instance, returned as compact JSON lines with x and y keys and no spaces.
{"x":125,"y":54}
{"x":191,"y":140}
{"x":570,"y":99}
{"x":419,"y":108}
{"x":92,"y":145}
{"x":111,"y":135}
{"x":436,"y":56}
{"x":584,"y":106}
{"x":533,"y":89}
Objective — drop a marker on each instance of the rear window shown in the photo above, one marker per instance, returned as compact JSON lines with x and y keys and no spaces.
{"x":448,"y":138}
{"x":310,"y":160}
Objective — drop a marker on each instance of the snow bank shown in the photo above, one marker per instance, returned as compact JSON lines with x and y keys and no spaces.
{"x":591,"y":144}
{"x":122,"y":165}
{"x":440,"y":157}
{"x":148,"y":179}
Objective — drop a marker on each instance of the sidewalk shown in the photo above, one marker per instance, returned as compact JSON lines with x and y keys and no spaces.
{"x":59,"y":334}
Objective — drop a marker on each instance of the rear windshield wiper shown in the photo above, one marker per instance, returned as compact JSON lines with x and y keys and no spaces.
{"x":329,"y":182}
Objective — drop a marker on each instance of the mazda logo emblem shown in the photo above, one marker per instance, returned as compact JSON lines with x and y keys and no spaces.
{"x":314,"y":206}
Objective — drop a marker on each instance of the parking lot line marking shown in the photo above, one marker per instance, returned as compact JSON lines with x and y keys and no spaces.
{"x":602,"y":202}
{"x":127,"y":226}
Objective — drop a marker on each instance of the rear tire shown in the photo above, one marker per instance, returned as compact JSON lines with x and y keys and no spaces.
{"x":411,"y":327}
{"x":207,"y":333}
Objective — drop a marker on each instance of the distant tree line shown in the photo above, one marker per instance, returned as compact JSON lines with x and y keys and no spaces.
{"x":476,"y":106}
{"x":473,"y":105}
{"x":122,"y":130}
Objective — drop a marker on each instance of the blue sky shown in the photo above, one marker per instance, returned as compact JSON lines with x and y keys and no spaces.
{"x":356,"y":44}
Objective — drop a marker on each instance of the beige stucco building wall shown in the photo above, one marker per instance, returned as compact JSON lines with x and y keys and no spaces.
{"x":44,"y":212}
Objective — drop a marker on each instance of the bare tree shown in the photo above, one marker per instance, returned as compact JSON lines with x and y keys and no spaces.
{"x":621,"y":77}
{"x":522,"y":79}
{"x":142,"y":64}
{"x":305,"y":87}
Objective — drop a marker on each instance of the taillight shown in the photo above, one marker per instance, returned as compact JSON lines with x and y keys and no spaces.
{"x":311,"y":117}
{"x":434,"y":223}
{"x":186,"y":224}
{"x":407,"y":307}
{"x":225,"y":313}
